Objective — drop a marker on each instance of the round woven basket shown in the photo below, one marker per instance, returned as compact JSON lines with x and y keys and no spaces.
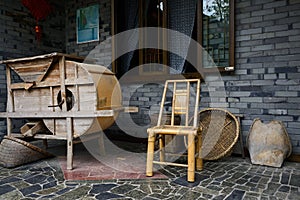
{"x":220,"y":132}
{"x":15,"y":152}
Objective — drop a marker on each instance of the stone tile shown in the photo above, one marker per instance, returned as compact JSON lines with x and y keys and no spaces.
{"x":30,"y":189}
{"x":9,"y":180}
{"x":136,"y":194}
{"x":255,"y":179}
{"x":227,"y":184}
{"x":98,"y":188}
{"x":107,"y":195}
{"x":295,"y":180}
{"x":15,"y":194}
{"x":236,"y":194}
{"x":272,"y":188}
{"x":49,"y":184}
{"x":158,"y":196}
{"x":48,"y":191}
{"x":220,"y":197}
{"x":122,"y":189}
{"x":281,"y":195}
{"x":36,"y":179}
{"x":76,"y":193}
{"x":64,"y":190}
{"x":284,"y":188}
{"x":20,"y":184}
{"x":190,"y":195}
{"x":250,"y":198}
{"x":183,"y":180}
{"x":5,"y":189}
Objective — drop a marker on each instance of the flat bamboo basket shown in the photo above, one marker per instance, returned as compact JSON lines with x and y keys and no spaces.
{"x":220,"y":132}
{"x":15,"y":152}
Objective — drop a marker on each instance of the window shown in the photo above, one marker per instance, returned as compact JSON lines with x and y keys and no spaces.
{"x":215,"y":32}
{"x":212,"y":25}
{"x":153,"y":13}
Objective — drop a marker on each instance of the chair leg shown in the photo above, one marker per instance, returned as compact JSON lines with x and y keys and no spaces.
{"x":162,"y":148}
{"x":191,"y":158}
{"x":150,"y":154}
{"x":199,"y":160}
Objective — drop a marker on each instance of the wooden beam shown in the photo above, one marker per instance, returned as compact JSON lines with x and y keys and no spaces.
{"x":80,"y":82}
{"x":48,"y":114}
{"x":41,"y":136}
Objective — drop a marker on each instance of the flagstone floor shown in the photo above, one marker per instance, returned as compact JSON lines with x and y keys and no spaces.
{"x":228,"y":178}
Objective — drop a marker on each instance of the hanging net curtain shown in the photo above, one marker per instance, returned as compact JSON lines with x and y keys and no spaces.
{"x":181,"y":19}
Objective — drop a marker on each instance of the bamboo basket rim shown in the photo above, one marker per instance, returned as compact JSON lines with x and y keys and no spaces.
{"x":27,"y":144}
{"x":237,"y":131}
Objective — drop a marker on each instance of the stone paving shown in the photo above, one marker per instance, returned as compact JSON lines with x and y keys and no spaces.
{"x":228,"y":178}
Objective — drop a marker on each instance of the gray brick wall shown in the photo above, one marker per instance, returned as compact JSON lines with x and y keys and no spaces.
{"x":267,"y":77}
{"x":103,"y":52}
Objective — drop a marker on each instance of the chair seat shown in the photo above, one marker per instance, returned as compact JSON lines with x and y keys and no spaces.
{"x":173,"y":130}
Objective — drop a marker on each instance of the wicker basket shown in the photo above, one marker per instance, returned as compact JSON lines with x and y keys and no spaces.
{"x":220,"y":132}
{"x":15,"y":152}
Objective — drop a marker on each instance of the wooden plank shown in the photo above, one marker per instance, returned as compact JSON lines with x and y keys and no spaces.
{"x":49,"y":115}
{"x":55,"y":54}
{"x":32,"y":128}
{"x":31,"y":71}
{"x":77,"y":95}
{"x":62,"y":71}
{"x":80,"y":82}
{"x":41,"y":136}
{"x":10,"y":104}
{"x":131,"y":109}
{"x":9,"y":126}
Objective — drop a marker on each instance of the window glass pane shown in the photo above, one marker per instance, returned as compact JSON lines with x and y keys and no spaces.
{"x":215,"y":31}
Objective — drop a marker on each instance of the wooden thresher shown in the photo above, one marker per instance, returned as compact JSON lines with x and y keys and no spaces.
{"x":70,"y":97}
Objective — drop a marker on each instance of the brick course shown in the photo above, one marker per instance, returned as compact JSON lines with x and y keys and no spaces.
{"x":274,"y":55}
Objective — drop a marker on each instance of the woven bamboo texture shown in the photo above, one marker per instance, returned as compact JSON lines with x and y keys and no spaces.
{"x":220,"y":132}
{"x":15,"y":152}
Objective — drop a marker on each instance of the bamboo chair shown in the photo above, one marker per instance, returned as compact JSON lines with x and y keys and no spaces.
{"x":182,"y":98}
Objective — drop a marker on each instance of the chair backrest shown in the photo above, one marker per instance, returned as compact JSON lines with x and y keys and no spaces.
{"x":185,"y":101}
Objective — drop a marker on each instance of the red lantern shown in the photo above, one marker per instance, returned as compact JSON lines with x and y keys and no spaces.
{"x":38,"y":32}
{"x":40,"y":9}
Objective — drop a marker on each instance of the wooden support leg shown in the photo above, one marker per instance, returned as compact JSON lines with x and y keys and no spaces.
{"x":150,"y":154}
{"x":199,"y":160}
{"x":69,"y":143}
{"x":241,"y":138}
{"x":9,"y":126}
{"x":162,"y":145}
{"x":101,"y":144}
{"x":191,"y":158}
